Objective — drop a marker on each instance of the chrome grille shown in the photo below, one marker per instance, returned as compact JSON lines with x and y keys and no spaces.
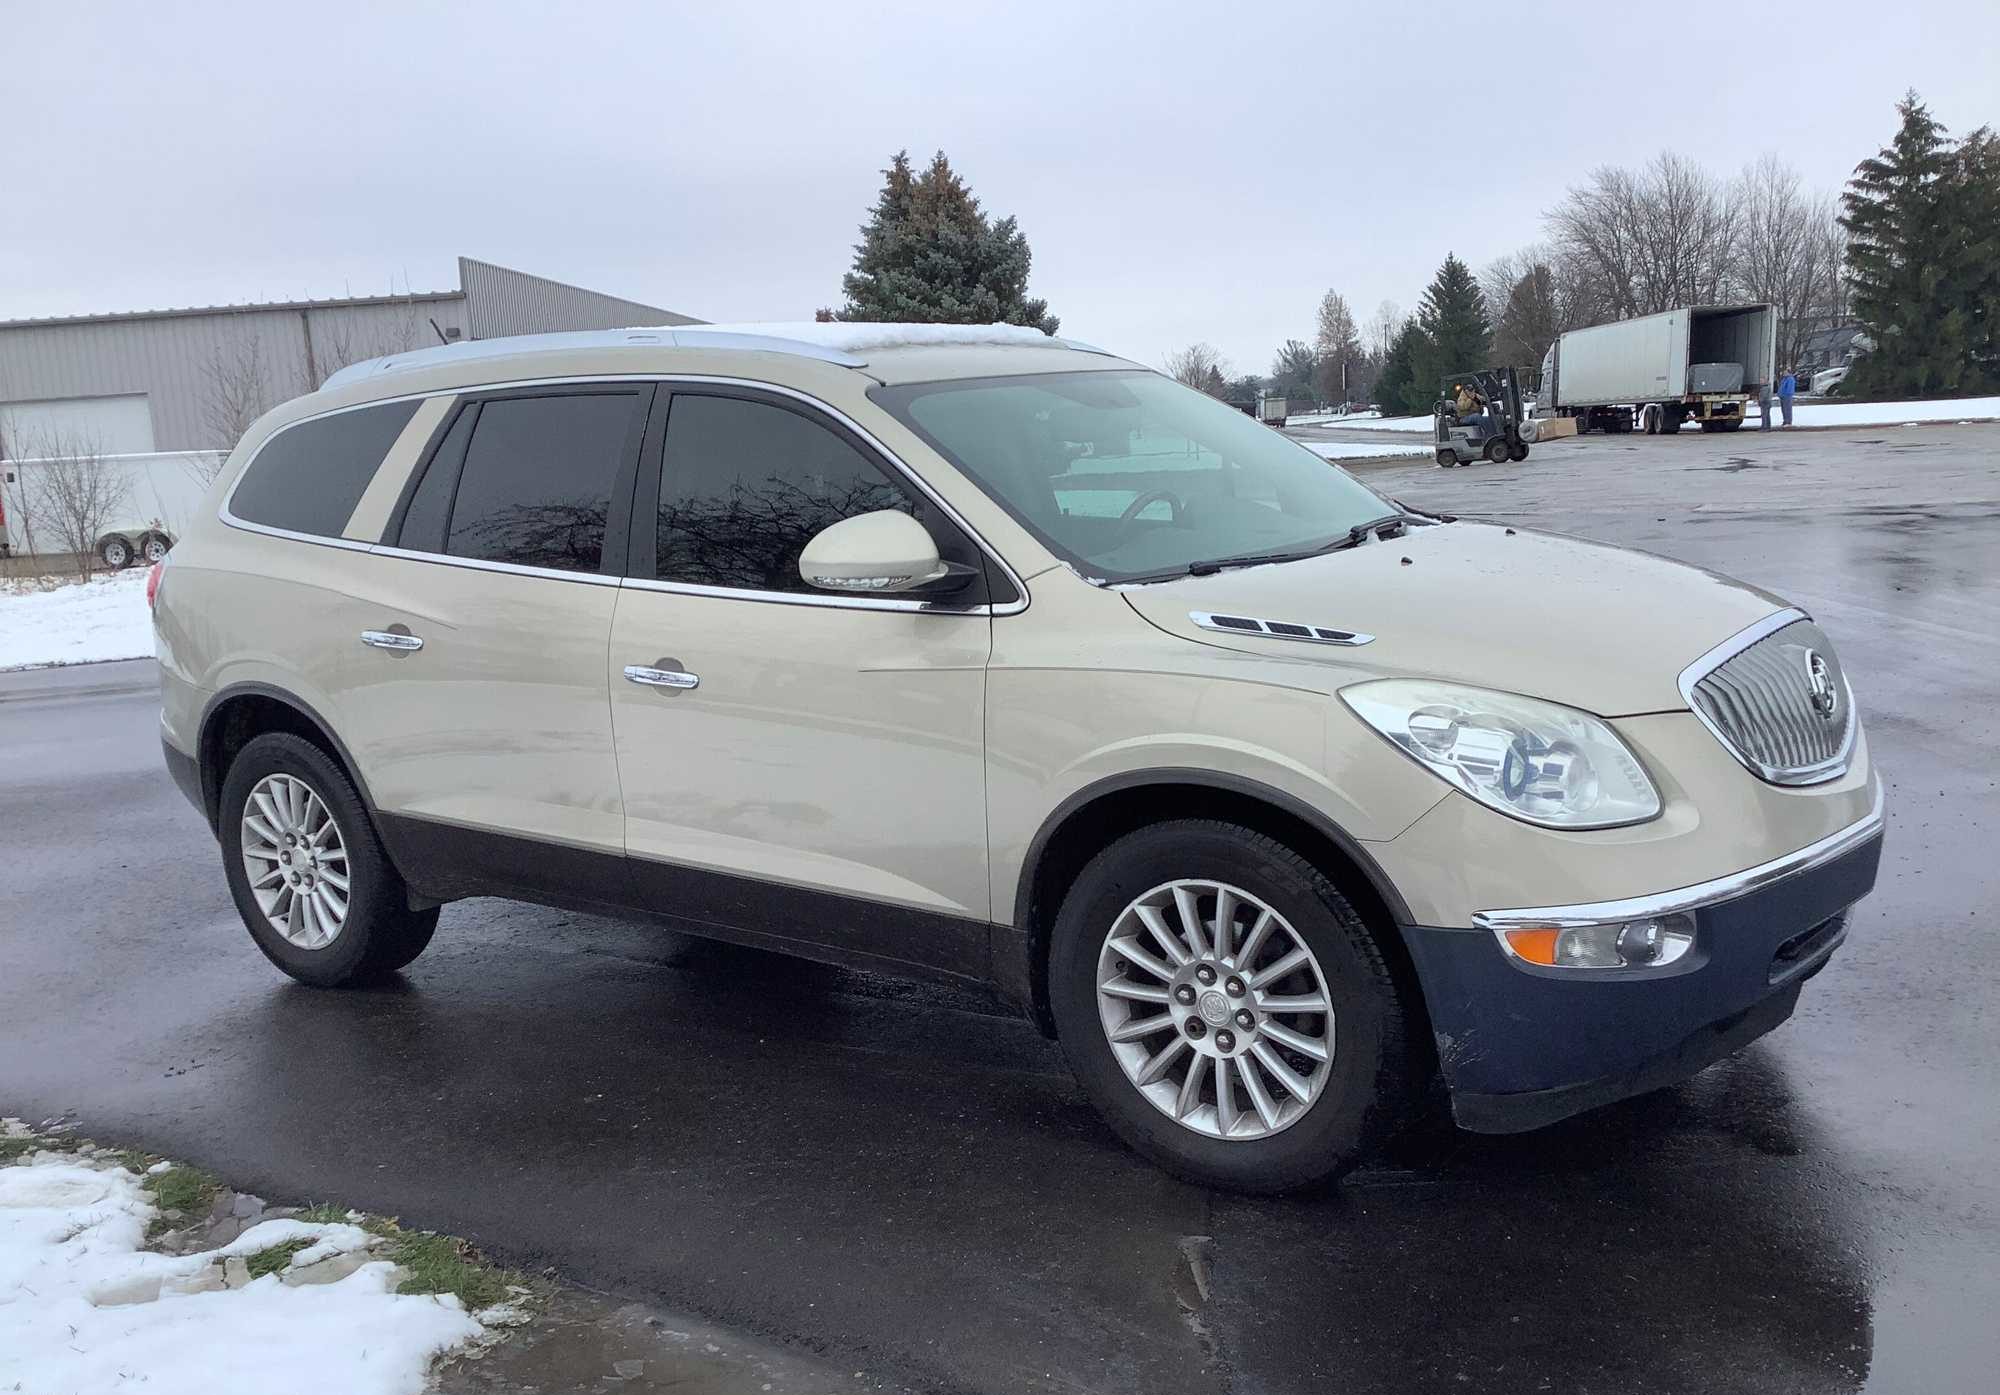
{"x":1775,"y":696}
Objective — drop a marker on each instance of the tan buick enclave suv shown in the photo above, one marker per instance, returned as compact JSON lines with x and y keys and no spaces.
{"x":971,"y":653}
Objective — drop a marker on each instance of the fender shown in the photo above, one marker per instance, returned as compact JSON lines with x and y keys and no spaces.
{"x":211,"y":781}
{"x":1212,"y":779}
{"x":1017,"y":952}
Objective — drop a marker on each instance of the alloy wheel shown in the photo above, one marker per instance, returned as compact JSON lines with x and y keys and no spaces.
{"x":296,"y":861}
{"x":1216,"y":1009}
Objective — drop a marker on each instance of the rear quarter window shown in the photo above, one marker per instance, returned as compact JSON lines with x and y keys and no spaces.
{"x":308,"y":478}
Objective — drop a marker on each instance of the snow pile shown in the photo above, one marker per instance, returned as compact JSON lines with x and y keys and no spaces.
{"x":75,"y":623}
{"x":1835,"y":413}
{"x":856,"y":337}
{"x":1331,"y":418}
{"x":1362,"y":450}
{"x":82,"y":1307}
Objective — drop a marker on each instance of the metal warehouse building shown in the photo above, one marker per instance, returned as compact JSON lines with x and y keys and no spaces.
{"x":191,"y":380}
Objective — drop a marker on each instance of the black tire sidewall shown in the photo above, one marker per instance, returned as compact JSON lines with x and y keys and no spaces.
{"x":1367,"y":1092}
{"x":375,"y":910}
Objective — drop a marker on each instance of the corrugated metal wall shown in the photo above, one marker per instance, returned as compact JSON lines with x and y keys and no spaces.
{"x":175,"y":359}
{"x":500,"y":302}
{"x":180,"y":360}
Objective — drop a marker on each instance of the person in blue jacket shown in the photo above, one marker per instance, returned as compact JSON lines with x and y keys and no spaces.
{"x":1788,"y":385}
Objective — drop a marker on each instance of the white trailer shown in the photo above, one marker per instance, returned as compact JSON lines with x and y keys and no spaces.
{"x":154,"y":496}
{"x":1704,"y":364}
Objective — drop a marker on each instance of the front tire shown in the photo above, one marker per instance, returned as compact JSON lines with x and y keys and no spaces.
{"x":1227,"y":1010}
{"x":307,"y":870}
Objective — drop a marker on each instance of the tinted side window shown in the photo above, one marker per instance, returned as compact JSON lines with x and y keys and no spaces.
{"x":745,"y":487}
{"x":309,"y":477}
{"x":429,"y":513}
{"x":536,"y":486}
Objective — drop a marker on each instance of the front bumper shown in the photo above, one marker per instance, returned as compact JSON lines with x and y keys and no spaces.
{"x":1521,"y":1047}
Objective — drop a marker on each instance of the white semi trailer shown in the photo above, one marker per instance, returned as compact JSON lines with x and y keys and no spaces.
{"x":1703,"y":364}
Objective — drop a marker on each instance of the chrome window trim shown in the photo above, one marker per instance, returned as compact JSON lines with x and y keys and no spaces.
{"x":1208,"y":621}
{"x":837,"y":602}
{"x":1691,"y":898}
{"x":1817,"y":774}
{"x":481,"y":564}
{"x":888,"y":459}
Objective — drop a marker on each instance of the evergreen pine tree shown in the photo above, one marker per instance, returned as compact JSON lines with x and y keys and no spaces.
{"x":1906,"y":249}
{"x":1397,"y":391}
{"x":1975,"y":283}
{"x":1452,"y":318}
{"x":929,"y":254}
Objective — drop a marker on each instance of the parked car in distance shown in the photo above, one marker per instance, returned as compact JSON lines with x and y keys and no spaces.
{"x":972,"y":654}
{"x":1827,"y":379}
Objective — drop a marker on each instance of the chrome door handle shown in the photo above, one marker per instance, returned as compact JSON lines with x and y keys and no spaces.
{"x":662,"y":677}
{"x":389,"y":639}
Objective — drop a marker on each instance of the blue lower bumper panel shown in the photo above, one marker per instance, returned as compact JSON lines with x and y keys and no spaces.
{"x":1521,"y":1047}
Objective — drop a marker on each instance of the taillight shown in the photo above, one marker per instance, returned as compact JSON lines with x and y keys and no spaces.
{"x":153,"y":581}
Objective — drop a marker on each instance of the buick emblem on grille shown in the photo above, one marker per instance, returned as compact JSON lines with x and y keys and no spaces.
{"x":1819,"y":678}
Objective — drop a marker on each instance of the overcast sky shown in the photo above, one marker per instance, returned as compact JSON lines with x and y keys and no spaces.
{"x":1198,"y":172}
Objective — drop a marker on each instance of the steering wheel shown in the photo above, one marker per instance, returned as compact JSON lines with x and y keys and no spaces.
{"x":1152,"y":496}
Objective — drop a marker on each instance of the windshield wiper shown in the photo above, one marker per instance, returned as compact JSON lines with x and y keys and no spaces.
{"x":1209,"y":566}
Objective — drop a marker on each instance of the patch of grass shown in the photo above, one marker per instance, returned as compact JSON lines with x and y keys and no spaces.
{"x":442,"y":1264}
{"x":12,"y":1148}
{"x":325,"y":1213}
{"x":274,"y":1259}
{"x":183,"y":1192}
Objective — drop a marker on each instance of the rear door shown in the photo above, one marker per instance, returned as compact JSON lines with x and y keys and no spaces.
{"x":478,"y":705}
{"x":820,"y":779}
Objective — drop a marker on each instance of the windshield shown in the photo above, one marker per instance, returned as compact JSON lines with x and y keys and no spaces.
{"x":1130,"y":476}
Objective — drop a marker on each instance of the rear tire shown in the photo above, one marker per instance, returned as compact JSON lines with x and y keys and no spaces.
{"x":1446,"y":457}
{"x":1360,"y":1089}
{"x":281,"y":796}
{"x":116,"y":551}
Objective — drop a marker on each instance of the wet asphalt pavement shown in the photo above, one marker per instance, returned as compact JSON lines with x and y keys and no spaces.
{"x":906,"y":1182}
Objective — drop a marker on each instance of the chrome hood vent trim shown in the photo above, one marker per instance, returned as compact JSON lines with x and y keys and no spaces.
{"x":1277,"y":629}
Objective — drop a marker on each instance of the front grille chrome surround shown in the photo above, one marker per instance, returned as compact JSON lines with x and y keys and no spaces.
{"x":1775,"y":697}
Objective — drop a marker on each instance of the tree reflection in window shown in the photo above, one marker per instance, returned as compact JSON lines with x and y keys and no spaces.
{"x":551,"y":533}
{"x":748,"y":484}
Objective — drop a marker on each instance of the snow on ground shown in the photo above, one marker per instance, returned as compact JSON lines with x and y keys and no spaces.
{"x":1805,"y":412}
{"x":84,"y":1308}
{"x":1330,"y":418}
{"x":1833,"y":413}
{"x":75,"y":623}
{"x":1362,"y":450}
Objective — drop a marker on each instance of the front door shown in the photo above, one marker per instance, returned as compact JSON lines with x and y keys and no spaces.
{"x":797,"y":766}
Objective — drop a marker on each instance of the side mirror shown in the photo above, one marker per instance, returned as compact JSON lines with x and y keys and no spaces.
{"x":880,"y":552}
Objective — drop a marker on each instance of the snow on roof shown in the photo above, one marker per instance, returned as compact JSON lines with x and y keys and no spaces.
{"x":840,"y":343}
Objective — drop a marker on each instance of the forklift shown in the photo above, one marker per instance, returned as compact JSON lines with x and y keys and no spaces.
{"x":1492,"y":428}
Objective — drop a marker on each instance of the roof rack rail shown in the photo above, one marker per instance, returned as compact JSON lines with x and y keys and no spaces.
{"x":840,"y":343}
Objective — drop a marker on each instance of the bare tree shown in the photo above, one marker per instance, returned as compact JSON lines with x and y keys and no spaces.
{"x":336,"y":344}
{"x":1655,"y":238}
{"x":1337,"y":346}
{"x":236,"y":390}
{"x":71,"y":491}
{"x":1532,"y":296}
{"x":1383,"y":328}
{"x":1200,"y":367}
{"x":1789,"y":252}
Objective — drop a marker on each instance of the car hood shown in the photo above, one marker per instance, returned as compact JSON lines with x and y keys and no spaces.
{"x":1596,"y":627}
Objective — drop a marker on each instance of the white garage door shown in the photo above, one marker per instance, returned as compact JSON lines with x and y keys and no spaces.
{"x":121,"y":425}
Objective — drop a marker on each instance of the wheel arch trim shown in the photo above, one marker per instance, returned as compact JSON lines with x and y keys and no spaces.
{"x":211,"y":779}
{"x":1020,"y":946}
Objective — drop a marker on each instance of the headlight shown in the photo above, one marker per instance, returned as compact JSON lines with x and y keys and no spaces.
{"x":1536,"y":760}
